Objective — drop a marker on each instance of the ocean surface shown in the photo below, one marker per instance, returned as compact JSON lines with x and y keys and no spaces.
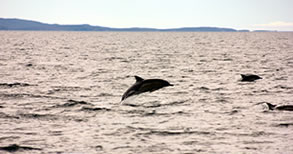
{"x":60,"y":92}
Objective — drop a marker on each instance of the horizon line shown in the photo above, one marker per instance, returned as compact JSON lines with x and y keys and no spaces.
{"x":143,"y":27}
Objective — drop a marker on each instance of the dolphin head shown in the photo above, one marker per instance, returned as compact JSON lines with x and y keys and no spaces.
{"x":169,"y":84}
{"x":258,"y":77}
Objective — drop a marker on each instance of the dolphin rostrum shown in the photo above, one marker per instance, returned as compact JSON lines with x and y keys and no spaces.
{"x":145,"y":85}
{"x":250,"y":77}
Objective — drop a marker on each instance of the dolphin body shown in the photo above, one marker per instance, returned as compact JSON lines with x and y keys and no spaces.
{"x":281,"y":107}
{"x":145,"y":85}
{"x":250,"y":77}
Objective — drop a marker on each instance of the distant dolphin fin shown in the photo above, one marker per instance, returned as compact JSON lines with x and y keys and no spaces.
{"x":243,"y":76}
{"x":271,"y":106}
{"x":138,"y":79}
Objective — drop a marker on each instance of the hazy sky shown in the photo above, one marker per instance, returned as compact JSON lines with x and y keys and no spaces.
{"x":239,"y":14}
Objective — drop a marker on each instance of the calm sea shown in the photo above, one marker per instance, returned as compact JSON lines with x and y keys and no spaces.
{"x":60,"y":92}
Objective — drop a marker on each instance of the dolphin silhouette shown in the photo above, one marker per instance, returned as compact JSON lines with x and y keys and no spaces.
{"x":250,"y":77}
{"x":145,"y":85}
{"x":281,"y":107}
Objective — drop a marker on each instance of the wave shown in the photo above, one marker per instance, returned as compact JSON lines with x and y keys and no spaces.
{"x":22,"y":95}
{"x":16,"y":147}
{"x":15,"y":84}
{"x":71,"y":103}
{"x":94,"y":109}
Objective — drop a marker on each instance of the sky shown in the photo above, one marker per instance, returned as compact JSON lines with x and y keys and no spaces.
{"x":238,"y":14}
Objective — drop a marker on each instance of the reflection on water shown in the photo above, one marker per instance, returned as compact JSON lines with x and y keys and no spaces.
{"x":61,"y":92}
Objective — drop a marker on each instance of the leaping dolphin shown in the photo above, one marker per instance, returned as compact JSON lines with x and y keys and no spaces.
{"x":145,"y":85}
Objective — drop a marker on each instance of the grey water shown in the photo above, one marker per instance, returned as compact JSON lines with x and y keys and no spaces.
{"x":60,"y":92}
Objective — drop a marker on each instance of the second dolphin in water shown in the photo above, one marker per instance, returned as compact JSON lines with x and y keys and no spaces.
{"x":145,"y":85}
{"x":250,"y":77}
{"x":281,"y":107}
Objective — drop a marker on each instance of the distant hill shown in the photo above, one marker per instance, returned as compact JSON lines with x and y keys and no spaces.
{"x":20,"y":24}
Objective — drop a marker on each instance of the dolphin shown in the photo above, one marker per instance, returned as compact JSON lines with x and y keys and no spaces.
{"x":281,"y":107}
{"x":145,"y":85}
{"x":250,"y":77}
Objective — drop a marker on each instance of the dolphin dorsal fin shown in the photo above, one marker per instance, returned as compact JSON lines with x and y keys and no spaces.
{"x":138,"y":79}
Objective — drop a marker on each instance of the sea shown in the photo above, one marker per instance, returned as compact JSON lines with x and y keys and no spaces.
{"x":60,"y":92}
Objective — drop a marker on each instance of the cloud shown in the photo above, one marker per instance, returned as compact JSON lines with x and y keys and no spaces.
{"x":277,"y":24}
